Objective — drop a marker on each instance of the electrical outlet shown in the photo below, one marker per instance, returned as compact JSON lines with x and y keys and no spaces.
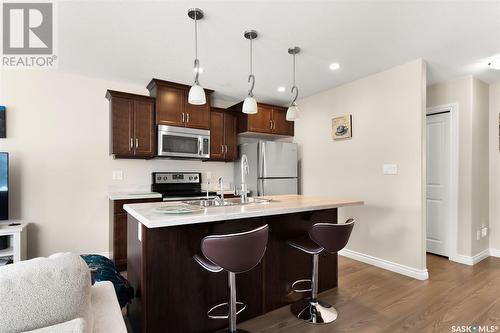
{"x":117,"y":175}
{"x":484,"y":232}
{"x":478,"y":234}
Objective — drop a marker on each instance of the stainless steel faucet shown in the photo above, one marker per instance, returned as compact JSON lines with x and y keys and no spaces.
{"x":244,"y":172}
{"x":221,"y":186}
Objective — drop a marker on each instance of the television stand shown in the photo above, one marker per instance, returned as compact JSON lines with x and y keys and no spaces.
{"x":17,"y":240}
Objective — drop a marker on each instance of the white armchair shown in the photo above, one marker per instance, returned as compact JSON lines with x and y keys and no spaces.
{"x":55,"y":295}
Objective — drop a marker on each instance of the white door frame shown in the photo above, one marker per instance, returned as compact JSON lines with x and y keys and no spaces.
{"x":452,"y":229}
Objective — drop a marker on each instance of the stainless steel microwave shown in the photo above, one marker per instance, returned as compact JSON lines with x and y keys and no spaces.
{"x":183,"y":142}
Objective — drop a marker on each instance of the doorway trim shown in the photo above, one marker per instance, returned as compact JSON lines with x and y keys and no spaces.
{"x":452,"y":230}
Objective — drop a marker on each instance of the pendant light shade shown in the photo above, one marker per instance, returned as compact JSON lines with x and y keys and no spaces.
{"x":250,"y":104}
{"x":196,"y":93}
{"x":293,"y":110}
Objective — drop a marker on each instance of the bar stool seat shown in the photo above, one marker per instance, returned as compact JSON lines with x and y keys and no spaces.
{"x":207,"y":264}
{"x":305,"y":244}
{"x":322,"y":237}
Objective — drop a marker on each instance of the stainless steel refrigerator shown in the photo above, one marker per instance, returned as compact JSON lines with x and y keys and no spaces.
{"x":272,"y":167}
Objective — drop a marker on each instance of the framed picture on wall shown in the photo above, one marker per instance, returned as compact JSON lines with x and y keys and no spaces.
{"x":342,"y":127}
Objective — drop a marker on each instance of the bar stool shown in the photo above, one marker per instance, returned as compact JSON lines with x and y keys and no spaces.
{"x":234,"y":253}
{"x":323,"y":237}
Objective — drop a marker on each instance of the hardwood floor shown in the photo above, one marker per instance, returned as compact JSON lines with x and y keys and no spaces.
{"x":370,"y":299}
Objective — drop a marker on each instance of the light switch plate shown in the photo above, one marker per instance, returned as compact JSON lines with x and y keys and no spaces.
{"x":117,"y":175}
{"x":390,"y":169}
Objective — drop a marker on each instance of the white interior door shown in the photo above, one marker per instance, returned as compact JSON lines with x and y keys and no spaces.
{"x":438,"y":182}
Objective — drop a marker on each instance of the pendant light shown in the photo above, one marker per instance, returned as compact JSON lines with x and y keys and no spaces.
{"x":250,"y":104}
{"x":293,"y":110}
{"x":196,"y":93}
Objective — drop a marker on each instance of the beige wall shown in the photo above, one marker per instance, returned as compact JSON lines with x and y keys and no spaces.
{"x":388,"y":112}
{"x":494,"y":167}
{"x":471,"y":95}
{"x":58,"y":137}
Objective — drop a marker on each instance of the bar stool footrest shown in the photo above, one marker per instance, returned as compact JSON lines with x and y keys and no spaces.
{"x":225,"y":315}
{"x":296,"y":289}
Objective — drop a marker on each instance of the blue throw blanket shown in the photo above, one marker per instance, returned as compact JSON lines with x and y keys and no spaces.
{"x":104,"y":269}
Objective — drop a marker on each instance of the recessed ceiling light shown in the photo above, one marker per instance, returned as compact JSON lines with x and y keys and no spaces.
{"x":495,"y":63}
{"x":281,"y":89}
{"x":334,"y":66}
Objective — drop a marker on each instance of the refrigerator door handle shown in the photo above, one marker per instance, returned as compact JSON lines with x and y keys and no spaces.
{"x":262,"y":160}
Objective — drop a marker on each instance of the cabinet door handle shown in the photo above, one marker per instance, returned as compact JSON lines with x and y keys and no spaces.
{"x":187,"y":118}
{"x":136,"y":143}
{"x":131,"y":143}
{"x":226,"y":149}
{"x":271,"y":124}
{"x":222,"y":149}
{"x":183,"y":117}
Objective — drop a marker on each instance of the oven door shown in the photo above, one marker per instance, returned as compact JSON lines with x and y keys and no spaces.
{"x":183,"y":142}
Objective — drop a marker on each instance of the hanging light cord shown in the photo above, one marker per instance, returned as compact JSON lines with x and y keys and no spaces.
{"x":294,"y":87}
{"x":196,"y":61}
{"x":251,"y":77}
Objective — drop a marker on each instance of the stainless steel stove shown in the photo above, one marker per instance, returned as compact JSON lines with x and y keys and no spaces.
{"x":176,"y":186}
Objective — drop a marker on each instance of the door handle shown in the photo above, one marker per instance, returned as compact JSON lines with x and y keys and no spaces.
{"x":136,"y":143}
{"x":131,"y":143}
{"x":226,"y":148}
{"x":222,"y":149}
{"x":187,"y":118}
{"x":183,"y":117}
{"x":271,"y":124}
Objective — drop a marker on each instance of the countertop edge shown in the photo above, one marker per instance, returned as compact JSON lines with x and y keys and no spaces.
{"x":128,"y":196}
{"x":238,"y":215}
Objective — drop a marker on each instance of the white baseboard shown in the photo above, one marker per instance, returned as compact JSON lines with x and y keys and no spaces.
{"x":419,"y":274}
{"x":472,"y":260}
{"x":495,"y":253}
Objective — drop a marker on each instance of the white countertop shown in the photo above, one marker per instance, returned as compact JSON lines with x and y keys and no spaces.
{"x":133,"y":195}
{"x":282,"y":204}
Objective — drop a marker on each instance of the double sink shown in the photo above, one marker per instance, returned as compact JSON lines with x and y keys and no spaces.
{"x":227,"y":202}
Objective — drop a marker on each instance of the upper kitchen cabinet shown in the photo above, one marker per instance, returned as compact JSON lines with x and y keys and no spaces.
{"x":269,"y":119}
{"x":132,"y":125}
{"x":223,"y":140}
{"x":173,"y":109}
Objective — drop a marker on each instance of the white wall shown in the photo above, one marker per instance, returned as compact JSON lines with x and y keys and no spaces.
{"x":471,"y":95}
{"x":494,"y":167}
{"x":388,"y":115}
{"x":58,"y":137}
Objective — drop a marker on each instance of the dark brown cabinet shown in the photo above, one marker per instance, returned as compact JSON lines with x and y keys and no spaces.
{"x":223,"y":140}
{"x":132,"y":125}
{"x":118,"y":230}
{"x":173,"y":109}
{"x":269,"y":119}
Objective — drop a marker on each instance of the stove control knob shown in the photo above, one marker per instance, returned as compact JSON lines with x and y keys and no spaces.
{"x":190,"y":178}
{"x":195,"y":177}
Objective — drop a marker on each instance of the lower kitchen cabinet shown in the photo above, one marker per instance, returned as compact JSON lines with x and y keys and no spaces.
{"x":118,"y":230}
{"x":223,"y":137}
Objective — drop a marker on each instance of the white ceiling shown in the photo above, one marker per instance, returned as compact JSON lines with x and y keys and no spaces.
{"x":134,"y":41}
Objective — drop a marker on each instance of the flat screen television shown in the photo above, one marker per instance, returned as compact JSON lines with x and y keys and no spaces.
{"x":4,"y":186}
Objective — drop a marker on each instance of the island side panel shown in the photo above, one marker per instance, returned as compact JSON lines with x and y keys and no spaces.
{"x":135,"y":310}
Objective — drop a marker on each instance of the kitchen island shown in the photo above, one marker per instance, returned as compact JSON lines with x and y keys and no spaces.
{"x":173,"y":293}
